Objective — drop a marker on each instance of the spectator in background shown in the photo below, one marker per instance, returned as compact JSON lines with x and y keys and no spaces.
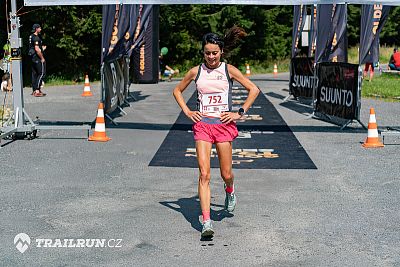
{"x":165,"y":70}
{"x":6,"y":67}
{"x":36,"y":51}
{"x":369,"y":66}
{"x":394,"y":62}
{"x":6,"y":82}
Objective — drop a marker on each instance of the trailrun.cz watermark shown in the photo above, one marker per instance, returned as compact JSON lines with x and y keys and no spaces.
{"x":22,"y":242}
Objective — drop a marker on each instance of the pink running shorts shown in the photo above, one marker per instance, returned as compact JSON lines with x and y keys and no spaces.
{"x":215,"y":133}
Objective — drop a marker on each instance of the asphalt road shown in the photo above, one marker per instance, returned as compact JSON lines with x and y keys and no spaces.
{"x":61,"y":186}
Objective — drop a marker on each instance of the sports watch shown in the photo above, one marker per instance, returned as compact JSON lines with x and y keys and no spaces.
{"x":241,"y":112}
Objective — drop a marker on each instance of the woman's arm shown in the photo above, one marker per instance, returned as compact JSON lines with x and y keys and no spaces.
{"x":195,"y":116}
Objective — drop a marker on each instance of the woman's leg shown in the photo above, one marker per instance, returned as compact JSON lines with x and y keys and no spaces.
{"x":224,"y":151}
{"x":366,"y":68}
{"x":371,"y":72}
{"x":203,"y":150}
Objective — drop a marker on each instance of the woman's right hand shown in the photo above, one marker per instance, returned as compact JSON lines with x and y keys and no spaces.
{"x":195,"y":116}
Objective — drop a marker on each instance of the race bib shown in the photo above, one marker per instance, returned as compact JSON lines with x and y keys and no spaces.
{"x":217,"y":102}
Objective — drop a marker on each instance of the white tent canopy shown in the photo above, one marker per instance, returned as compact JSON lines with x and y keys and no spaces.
{"x":218,"y":2}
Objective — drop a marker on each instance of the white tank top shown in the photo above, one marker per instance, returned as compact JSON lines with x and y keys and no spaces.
{"x":214,"y":90}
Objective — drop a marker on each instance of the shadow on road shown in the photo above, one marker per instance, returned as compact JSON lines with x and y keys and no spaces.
{"x":190,"y":209}
{"x":136,"y":96}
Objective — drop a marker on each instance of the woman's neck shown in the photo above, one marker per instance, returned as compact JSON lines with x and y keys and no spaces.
{"x":211,"y":68}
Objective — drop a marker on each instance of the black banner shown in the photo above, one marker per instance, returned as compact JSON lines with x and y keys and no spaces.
{"x":115,"y":23}
{"x":299,"y":17}
{"x":331,"y":33}
{"x":302,"y":78}
{"x":324,"y":24}
{"x":313,"y":31}
{"x":124,"y":28}
{"x":145,"y":56}
{"x":339,"y":41}
{"x":113,"y":84}
{"x":127,"y":83}
{"x":337,"y":90}
{"x":373,"y":18}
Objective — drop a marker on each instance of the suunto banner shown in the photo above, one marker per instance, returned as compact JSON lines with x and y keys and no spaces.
{"x":373,"y":18}
{"x":145,"y":56}
{"x":331,"y":33}
{"x":337,"y":90}
{"x":299,"y":17}
{"x":302,"y":78}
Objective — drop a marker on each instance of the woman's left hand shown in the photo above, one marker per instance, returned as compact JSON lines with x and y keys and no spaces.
{"x":228,"y":117}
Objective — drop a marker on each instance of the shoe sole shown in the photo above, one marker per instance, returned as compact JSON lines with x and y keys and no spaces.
{"x":207,"y":233}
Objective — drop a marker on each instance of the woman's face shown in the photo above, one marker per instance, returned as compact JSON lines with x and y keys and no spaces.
{"x":212,"y":55}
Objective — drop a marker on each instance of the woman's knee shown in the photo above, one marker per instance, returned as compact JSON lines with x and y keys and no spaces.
{"x":226,"y":175}
{"x":204,"y":177}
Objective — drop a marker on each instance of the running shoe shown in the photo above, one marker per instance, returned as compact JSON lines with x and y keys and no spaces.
{"x":230,"y":201}
{"x":207,"y":230}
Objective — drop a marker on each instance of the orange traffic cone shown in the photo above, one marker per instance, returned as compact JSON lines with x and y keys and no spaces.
{"x":248,"y":73}
{"x":86,"y":89}
{"x":275,"y":70}
{"x":373,"y":138}
{"x":99,"y":134}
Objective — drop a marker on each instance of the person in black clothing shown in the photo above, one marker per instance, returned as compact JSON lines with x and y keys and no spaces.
{"x":36,"y":49}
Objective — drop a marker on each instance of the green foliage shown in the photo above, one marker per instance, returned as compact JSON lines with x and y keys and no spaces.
{"x":390,"y":32}
{"x":353,"y":24}
{"x":73,"y":35}
{"x":385,"y":86}
{"x":385,"y":53}
{"x":58,"y":80}
{"x":268,"y":28}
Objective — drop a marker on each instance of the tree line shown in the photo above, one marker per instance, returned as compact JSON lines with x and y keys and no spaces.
{"x":73,"y":34}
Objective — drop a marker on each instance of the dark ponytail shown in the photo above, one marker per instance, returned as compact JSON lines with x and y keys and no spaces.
{"x":232,"y":37}
{"x":230,"y":40}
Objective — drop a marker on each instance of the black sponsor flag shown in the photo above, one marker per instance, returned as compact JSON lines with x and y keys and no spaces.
{"x":112,"y":85}
{"x":373,"y":18}
{"x":339,"y":41}
{"x":123,"y":29}
{"x":313,"y":31}
{"x":299,"y":17}
{"x":324,"y":25}
{"x":145,"y":56}
{"x":331,"y":44}
{"x":115,"y":23}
